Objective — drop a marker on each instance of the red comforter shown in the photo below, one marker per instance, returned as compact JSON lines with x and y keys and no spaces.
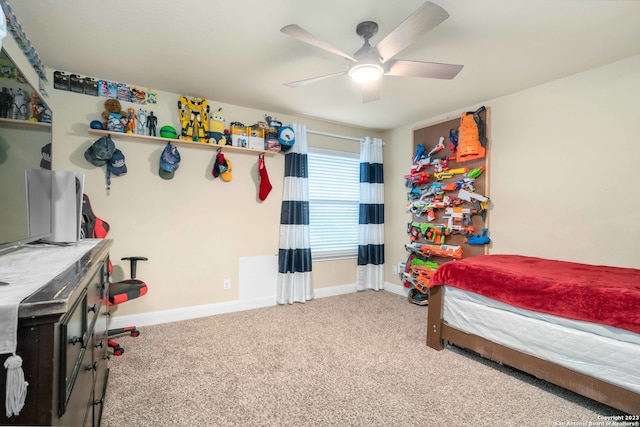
{"x":598,"y":294}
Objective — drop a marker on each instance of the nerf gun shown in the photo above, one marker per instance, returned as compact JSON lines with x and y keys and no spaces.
{"x":421,"y":206}
{"x":460,"y":214}
{"x":430,"y":232}
{"x":420,"y":153}
{"x":468,"y":196}
{"x":446,"y":251}
{"x":474,"y":173}
{"x":450,"y":173}
{"x":464,"y":183}
{"x":421,"y":278}
{"x":439,"y":164}
{"x":479,"y":239}
{"x":415,"y":179}
{"x":459,"y":229}
{"x":439,"y":146}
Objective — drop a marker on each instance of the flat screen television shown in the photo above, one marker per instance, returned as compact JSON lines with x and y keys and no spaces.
{"x":26,"y":205}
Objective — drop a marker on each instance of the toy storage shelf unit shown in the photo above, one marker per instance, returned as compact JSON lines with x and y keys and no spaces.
{"x":24,"y":124}
{"x":158,"y":139}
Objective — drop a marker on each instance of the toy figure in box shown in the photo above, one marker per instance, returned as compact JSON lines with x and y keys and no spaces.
{"x":194,"y":119}
{"x":217,"y":135}
{"x":141,"y":129}
{"x":115,"y":119}
{"x":131,"y":125}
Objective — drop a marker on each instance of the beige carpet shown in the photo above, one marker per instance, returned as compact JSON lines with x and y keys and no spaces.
{"x":351,"y":360}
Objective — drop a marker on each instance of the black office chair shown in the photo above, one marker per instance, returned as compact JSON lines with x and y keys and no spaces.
{"x":123,"y":291}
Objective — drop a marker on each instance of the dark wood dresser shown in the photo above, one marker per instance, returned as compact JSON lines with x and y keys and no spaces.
{"x":62,"y":341}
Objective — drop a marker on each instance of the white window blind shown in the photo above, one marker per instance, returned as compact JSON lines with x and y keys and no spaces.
{"x":334,"y":186}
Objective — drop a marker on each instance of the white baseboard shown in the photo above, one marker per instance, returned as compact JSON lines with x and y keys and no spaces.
{"x":186,"y":313}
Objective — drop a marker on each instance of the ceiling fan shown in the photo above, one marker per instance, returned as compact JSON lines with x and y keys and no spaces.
{"x":369,"y":63}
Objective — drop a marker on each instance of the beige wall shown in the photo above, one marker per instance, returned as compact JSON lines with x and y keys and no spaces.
{"x":563,"y":170}
{"x":562,"y":179}
{"x":193,"y":228}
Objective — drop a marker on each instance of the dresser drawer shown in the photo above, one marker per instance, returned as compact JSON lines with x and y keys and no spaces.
{"x":73,"y":344}
{"x":79,"y":402}
{"x":96,"y":293}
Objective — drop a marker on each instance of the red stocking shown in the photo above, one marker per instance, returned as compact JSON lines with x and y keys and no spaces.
{"x":265,"y":185}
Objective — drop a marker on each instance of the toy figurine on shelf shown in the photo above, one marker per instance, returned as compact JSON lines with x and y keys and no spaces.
{"x":19,"y":106}
{"x":152,"y":121}
{"x":141,"y":128}
{"x":131,"y":121}
{"x":194,"y":119}
{"x":39,"y":110}
{"x":217,"y":135}
{"x":115,"y":119}
{"x":5,"y":103}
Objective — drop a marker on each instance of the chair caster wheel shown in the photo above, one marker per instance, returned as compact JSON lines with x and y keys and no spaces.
{"x":135,"y":333}
{"x":117,"y":351}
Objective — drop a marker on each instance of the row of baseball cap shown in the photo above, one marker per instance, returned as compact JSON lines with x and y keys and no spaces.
{"x":104,"y":152}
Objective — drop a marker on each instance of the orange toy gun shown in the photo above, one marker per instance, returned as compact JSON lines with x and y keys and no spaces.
{"x":422,"y":278}
{"x":446,"y":251}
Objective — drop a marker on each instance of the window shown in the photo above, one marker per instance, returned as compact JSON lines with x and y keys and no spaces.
{"x":334,"y":186}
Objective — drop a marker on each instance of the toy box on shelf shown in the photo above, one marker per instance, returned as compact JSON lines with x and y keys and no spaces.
{"x":239,"y":134}
{"x":256,"y":137}
{"x":247,"y":136}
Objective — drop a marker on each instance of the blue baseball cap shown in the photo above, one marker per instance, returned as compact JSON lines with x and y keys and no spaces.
{"x":100,"y":151}
{"x":169,"y":161}
{"x":116,"y":165}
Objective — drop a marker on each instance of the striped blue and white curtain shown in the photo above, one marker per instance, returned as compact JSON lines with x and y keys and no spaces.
{"x":294,"y":254}
{"x":370,"y":270}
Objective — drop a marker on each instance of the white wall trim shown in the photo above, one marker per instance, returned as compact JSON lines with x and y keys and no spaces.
{"x":186,"y":313}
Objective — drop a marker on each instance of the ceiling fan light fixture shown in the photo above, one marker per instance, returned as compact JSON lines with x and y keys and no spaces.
{"x":366,"y":73}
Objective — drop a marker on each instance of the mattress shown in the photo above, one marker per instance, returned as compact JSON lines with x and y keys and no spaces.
{"x":600,"y":351}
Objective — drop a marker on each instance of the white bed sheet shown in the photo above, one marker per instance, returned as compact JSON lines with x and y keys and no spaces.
{"x":603,"y":352}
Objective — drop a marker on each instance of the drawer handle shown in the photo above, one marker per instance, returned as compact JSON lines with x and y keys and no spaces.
{"x":92,"y":367}
{"x":98,"y":402}
{"x":93,"y":308}
{"x":75,"y":340}
{"x":100,"y":344}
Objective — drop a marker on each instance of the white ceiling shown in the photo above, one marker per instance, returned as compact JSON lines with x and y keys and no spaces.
{"x":234,"y":52}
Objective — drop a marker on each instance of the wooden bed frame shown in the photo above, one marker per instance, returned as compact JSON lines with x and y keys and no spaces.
{"x":598,"y":390}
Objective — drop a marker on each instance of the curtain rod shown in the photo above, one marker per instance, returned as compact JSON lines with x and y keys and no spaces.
{"x":335,"y":135}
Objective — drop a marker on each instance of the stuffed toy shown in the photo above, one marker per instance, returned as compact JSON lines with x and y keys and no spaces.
{"x":115,"y":118}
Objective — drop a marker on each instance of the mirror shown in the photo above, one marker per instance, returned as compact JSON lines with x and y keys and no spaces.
{"x":25,"y":134}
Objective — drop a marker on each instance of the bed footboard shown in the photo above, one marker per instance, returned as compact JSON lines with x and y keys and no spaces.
{"x":438,"y":333}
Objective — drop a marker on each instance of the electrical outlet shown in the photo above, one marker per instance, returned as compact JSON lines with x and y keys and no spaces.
{"x":394,"y":269}
{"x":227,"y":283}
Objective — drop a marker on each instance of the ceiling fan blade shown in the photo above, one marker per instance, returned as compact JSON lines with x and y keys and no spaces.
{"x":424,"y":19}
{"x":370,"y":91}
{"x":303,"y":35}
{"x":313,"y":80}
{"x":431,"y":70}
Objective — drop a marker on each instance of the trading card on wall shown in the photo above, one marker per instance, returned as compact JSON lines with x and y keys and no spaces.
{"x":60,"y":80}
{"x":77,"y":83}
{"x":107,"y":88}
{"x":124,"y":92}
{"x":90,"y":86}
{"x":138,"y":95}
{"x":152,"y":96}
